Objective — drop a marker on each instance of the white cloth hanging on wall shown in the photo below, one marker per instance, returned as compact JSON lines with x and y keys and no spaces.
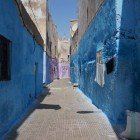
{"x":133,"y":126}
{"x":100,"y":74}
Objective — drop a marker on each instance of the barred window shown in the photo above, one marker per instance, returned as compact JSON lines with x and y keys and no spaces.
{"x":4,"y":59}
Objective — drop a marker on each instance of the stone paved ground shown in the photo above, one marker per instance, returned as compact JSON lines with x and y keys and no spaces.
{"x":64,"y":115}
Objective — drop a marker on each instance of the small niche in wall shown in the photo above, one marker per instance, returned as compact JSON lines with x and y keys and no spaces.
{"x":110,"y":66}
{"x":5,"y":74}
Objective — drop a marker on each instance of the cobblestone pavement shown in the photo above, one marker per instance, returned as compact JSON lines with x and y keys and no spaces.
{"x":64,"y":115}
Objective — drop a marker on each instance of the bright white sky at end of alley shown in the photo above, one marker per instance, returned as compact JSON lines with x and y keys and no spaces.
{"x":62,"y":12}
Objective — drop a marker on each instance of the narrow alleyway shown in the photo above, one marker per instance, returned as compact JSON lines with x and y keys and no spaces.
{"x":64,"y":114}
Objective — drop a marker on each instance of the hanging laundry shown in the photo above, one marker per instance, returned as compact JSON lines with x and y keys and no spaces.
{"x":100,"y":74}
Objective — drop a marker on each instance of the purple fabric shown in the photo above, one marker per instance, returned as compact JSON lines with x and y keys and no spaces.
{"x":64,"y":70}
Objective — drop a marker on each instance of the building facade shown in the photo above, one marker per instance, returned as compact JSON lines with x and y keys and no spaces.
{"x":37,"y":9}
{"x":108,"y":56}
{"x":73,"y":51}
{"x":21,"y":63}
{"x":87,"y":9}
{"x":64,"y":58}
{"x":39,"y":12}
{"x":52,"y":50}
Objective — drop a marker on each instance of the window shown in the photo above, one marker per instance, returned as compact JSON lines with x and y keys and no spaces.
{"x":110,"y":66}
{"x":68,"y":57}
{"x":87,"y":14}
{"x":48,"y":44}
{"x":4,"y":59}
{"x":51,"y":47}
{"x":70,"y":50}
{"x":47,"y":40}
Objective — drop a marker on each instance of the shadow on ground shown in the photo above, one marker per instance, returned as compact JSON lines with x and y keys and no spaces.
{"x":13,"y":134}
{"x":85,"y":112}
{"x":88,"y":112}
{"x":48,"y":106}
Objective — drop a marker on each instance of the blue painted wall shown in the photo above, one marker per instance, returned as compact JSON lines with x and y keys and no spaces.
{"x":116,"y":28}
{"x":17,"y":94}
{"x":48,"y":70}
{"x":136,"y":87}
{"x":74,"y":68}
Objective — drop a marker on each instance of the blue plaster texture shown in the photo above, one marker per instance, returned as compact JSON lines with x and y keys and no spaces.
{"x":48,"y":69}
{"x":50,"y":63}
{"x":116,"y":29}
{"x":17,"y":94}
{"x":136,"y":87}
{"x":74,"y":71}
